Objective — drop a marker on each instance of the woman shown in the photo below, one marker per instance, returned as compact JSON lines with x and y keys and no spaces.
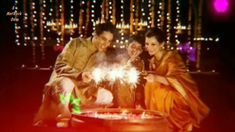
{"x":169,"y":88}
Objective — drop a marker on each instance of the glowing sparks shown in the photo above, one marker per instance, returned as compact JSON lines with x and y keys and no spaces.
{"x":115,"y":74}
{"x":124,"y":74}
{"x":98,"y":75}
{"x":133,"y":76}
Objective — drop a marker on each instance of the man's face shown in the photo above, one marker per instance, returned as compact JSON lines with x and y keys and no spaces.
{"x":104,"y":40}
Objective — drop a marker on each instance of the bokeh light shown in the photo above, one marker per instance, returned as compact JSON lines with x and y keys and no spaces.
{"x":221,"y":6}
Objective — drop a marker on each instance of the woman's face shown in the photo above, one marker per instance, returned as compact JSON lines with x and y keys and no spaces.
{"x":152,"y":45}
{"x":134,"y":49}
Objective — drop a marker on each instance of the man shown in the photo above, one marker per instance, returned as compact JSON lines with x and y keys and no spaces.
{"x":71,"y":78}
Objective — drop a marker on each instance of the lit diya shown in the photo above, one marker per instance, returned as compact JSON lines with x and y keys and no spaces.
{"x":115,"y":119}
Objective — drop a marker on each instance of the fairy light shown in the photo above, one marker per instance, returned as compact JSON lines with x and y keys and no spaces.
{"x":17,"y":27}
{"x":150,"y":13}
{"x":71,"y":16}
{"x":33,"y":24}
{"x":42,"y":27}
{"x":153,"y":13}
{"x":143,"y":16}
{"x":113,"y":8}
{"x":122,"y":11}
{"x":88,"y":12}
{"x":159,"y":15}
{"x":177,"y":20}
{"x":206,"y":39}
{"x":110,"y":11}
{"x":81,"y":20}
{"x":71,"y":10}
{"x":132,"y":12}
{"x":93,"y":14}
{"x":143,"y":13}
{"x":58,"y":22}
{"x":168,"y":27}
{"x":34,"y":14}
{"x":102,"y":6}
{"x":106,"y":10}
{"x":50,"y":15}
{"x":25,"y":23}
{"x":62,"y":20}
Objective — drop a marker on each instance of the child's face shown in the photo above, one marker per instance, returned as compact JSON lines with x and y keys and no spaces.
{"x":134,"y":49}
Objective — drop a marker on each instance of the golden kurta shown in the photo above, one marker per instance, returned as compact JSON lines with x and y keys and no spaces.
{"x":78,"y":56}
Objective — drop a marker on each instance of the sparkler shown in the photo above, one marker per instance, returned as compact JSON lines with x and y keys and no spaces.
{"x":124,"y":74}
{"x":98,"y":75}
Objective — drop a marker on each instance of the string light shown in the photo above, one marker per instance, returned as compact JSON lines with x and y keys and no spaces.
{"x":168,"y":27}
{"x":25,"y":23}
{"x":93,"y":14}
{"x":159,"y":15}
{"x":87,"y":18}
{"x":81,"y":20}
{"x":42,"y":28}
{"x":110,"y":11}
{"x":17,"y":27}
{"x":113,"y":16}
{"x":150,"y":13}
{"x":33,"y":25}
{"x":58,"y":22}
{"x":132,"y":10}
{"x":122,"y":11}
{"x":71,"y":15}
{"x":177,"y":20}
{"x":206,"y":39}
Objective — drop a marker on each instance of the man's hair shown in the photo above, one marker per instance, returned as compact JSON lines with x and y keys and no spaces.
{"x":157,"y":33}
{"x":100,"y":28}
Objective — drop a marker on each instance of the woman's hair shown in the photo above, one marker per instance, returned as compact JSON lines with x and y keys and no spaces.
{"x":100,"y":28}
{"x":157,"y":33}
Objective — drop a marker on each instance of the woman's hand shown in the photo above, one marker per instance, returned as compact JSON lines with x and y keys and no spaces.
{"x":153,"y":78}
{"x":150,"y":78}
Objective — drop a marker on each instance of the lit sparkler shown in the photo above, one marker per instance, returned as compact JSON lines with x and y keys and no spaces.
{"x":98,"y":75}
{"x":122,"y":73}
{"x":133,"y":76}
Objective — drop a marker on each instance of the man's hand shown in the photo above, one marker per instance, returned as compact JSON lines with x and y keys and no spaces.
{"x":86,"y":77}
